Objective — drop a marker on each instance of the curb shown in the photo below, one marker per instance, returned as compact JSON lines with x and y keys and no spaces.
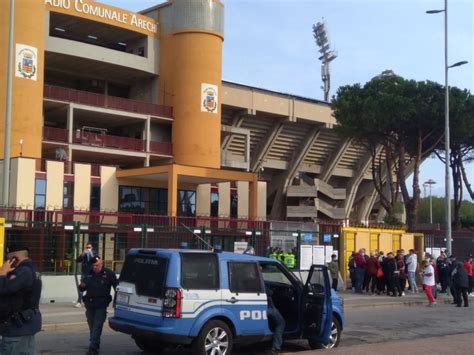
{"x":51,"y":327}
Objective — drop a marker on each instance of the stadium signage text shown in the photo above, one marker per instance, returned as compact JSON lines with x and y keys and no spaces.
{"x":96,"y":10}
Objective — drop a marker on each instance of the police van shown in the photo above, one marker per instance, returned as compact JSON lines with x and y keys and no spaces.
{"x":212,"y":300}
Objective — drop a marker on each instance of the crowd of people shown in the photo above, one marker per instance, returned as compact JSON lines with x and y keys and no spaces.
{"x":394,"y":274}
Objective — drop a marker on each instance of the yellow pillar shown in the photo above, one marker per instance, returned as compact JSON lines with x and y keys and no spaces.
{"x":2,"y":239}
{"x":28,"y":78}
{"x":253,"y":199}
{"x":191,"y":77}
{"x":172,"y":191}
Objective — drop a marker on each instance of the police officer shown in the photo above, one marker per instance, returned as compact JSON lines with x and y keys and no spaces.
{"x":85,"y":259}
{"x":20,"y":292}
{"x":97,"y":284}
{"x":277,"y":321}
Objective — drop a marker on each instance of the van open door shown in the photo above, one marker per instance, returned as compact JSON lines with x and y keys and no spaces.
{"x":316,"y":306}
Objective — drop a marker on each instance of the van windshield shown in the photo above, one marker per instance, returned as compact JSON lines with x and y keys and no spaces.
{"x":148,"y":273}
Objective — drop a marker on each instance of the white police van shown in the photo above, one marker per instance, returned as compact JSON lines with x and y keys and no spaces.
{"x":211,"y":300}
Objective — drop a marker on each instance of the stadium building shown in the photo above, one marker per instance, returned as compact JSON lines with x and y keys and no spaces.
{"x":116,"y":113}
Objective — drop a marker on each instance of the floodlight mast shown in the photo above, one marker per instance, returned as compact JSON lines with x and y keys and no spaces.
{"x":321,"y":37}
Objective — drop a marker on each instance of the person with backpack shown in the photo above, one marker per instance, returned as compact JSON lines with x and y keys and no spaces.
{"x":20,"y":293}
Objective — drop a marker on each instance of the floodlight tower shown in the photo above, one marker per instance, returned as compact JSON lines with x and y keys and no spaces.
{"x":328,"y":55}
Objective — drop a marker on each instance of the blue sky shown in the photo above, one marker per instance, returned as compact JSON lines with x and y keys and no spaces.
{"x":269,"y":44}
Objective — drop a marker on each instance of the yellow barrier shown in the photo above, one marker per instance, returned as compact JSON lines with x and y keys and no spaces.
{"x":375,"y":240}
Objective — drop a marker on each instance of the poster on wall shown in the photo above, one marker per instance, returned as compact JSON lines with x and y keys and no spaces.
{"x":26,"y":65}
{"x":209,"y":98}
{"x":306,"y":257}
{"x":318,"y":255}
{"x":240,"y":247}
{"x":328,"y":251}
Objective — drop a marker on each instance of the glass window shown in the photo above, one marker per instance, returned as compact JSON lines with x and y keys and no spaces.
{"x":272,"y":273}
{"x":95,"y":198}
{"x":244,"y":278}
{"x":186,"y":203}
{"x":40,"y":194}
{"x":68,"y":195}
{"x":143,"y":200}
{"x":214,"y":204}
{"x":148,"y":273}
{"x":199,"y":271}
{"x":233,"y":204}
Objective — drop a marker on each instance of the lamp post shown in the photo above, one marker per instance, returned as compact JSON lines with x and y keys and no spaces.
{"x":321,"y":36}
{"x":446,"y":126}
{"x":8,"y":111}
{"x":429,"y":183}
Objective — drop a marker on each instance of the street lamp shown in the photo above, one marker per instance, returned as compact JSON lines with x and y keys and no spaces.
{"x":446,"y":125}
{"x":429,"y":183}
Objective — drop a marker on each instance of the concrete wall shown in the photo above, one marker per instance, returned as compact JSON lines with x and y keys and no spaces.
{"x":203,"y":200}
{"x":22,"y":182}
{"x":224,"y":199}
{"x":54,"y":185}
{"x":108,"y":188}
{"x":243,"y":198}
{"x":82,"y":186}
{"x":262,"y":200}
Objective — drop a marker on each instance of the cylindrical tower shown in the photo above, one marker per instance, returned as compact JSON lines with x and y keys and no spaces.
{"x":28,"y":76}
{"x":190,"y":78}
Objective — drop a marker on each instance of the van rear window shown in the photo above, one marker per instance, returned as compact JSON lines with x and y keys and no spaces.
{"x":199,"y":271}
{"x":148,"y":273}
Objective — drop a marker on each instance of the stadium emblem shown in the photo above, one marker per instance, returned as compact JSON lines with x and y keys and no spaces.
{"x":209,"y":98}
{"x":26,"y":62}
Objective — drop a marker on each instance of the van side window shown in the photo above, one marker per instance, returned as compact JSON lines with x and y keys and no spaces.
{"x":317,"y":282}
{"x":244,"y":278}
{"x":272,"y":273}
{"x":199,"y":271}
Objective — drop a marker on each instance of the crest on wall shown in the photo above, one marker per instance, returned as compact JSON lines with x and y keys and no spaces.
{"x":26,"y":62}
{"x":209,"y":98}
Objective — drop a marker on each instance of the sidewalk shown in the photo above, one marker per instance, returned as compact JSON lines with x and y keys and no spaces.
{"x":63,"y":316}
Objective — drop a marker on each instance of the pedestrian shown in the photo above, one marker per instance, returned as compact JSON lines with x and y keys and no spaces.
{"x":85,"y":259}
{"x":20,"y":293}
{"x":451,"y":267}
{"x":372,"y":268}
{"x":393,"y":279}
{"x":460,"y":283}
{"x":468,"y":267}
{"x":444,"y":273}
{"x":402,"y":278}
{"x":360,"y":269}
{"x":333,"y":267}
{"x":97,"y":285}
{"x":428,"y":281}
{"x":277,"y":321}
{"x":351,"y":266}
{"x":411,"y":267}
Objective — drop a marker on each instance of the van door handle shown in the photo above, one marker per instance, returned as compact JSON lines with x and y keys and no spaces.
{"x":232,"y":300}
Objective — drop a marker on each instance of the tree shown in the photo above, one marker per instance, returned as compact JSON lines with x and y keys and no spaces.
{"x":404,"y":117}
{"x":461,"y":111}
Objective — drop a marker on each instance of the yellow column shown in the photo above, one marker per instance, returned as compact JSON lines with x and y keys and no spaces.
{"x":2,"y":239}
{"x":172,"y":191}
{"x":28,"y":78}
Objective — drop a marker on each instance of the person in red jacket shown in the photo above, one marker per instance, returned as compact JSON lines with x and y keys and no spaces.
{"x":372,"y":266}
{"x":468,"y":267}
{"x":360,"y":269}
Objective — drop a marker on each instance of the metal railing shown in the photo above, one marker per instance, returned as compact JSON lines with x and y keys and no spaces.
{"x":105,"y":101}
{"x":105,"y":141}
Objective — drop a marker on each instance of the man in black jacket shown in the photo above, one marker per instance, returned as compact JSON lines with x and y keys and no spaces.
{"x":97,"y":284}
{"x":20,"y":292}
{"x":460,"y":283}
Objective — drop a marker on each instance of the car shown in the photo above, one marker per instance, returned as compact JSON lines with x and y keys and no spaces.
{"x":212,"y":300}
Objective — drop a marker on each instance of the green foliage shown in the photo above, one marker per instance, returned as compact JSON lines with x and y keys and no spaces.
{"x":466,"y":211}
{"x":391,"y":220}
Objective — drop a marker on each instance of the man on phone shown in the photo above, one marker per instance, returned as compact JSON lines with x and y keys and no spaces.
{"x":86,"y":259}
{"x":20,"y":292}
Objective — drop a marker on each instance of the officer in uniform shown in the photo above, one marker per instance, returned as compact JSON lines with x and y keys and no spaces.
{"x":20,"y":292}
{"x":97,"y":284}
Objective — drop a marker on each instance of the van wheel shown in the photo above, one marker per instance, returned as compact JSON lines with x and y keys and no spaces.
{"x":149,"y":345}
{"x":215,"y":338}
{"x":334,"y":338}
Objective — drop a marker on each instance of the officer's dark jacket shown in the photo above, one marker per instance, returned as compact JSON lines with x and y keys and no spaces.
{"x":97,"y":287}
{"x":19,"y":301}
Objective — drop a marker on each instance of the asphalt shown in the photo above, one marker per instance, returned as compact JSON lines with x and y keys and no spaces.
{"x":64,"y":316}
